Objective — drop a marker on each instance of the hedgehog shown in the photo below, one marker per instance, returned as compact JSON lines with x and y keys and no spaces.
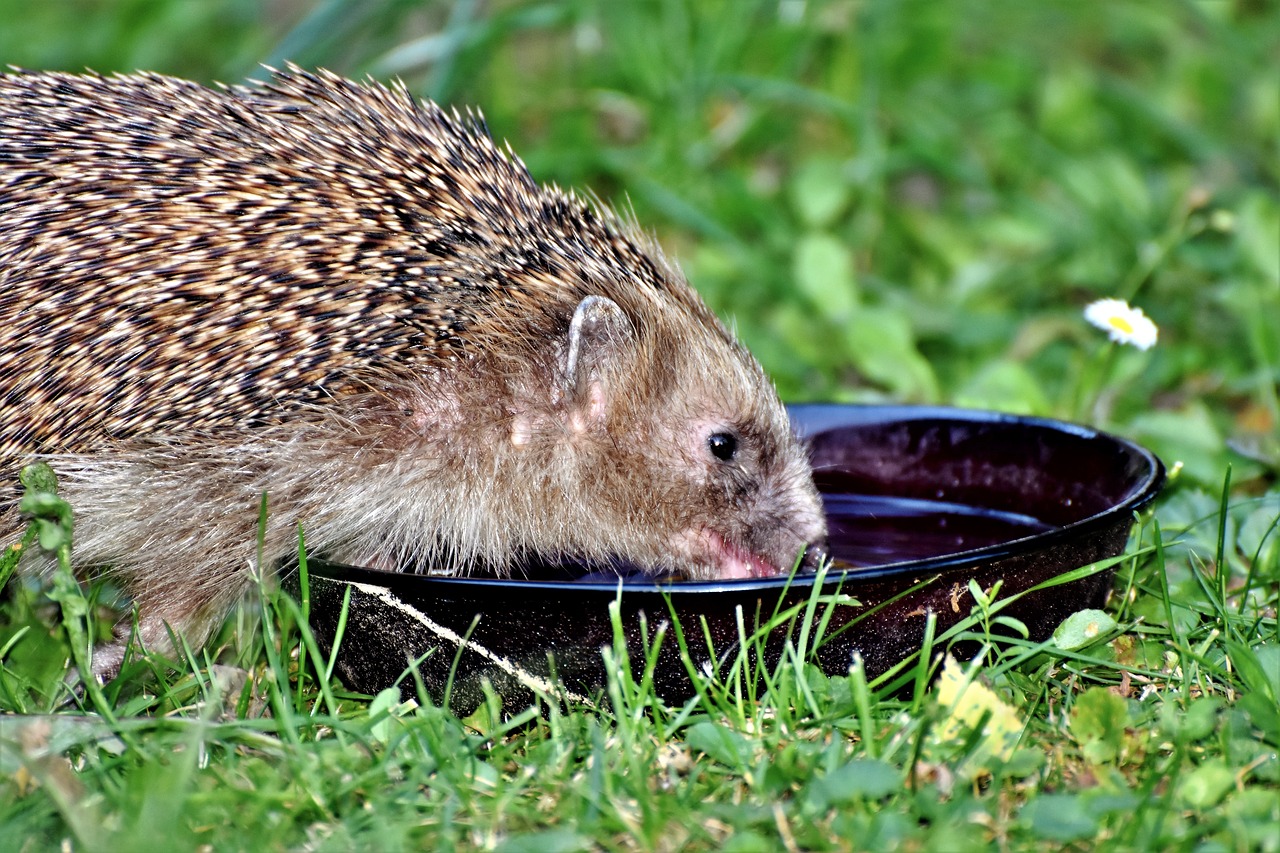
{"x":357,"y":304}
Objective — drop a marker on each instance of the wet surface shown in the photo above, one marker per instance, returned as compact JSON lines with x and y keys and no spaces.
{"x":865,"y":531}
{"x":875,"y":530}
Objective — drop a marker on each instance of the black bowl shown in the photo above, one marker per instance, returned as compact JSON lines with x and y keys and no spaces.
{"x":922,"y":500}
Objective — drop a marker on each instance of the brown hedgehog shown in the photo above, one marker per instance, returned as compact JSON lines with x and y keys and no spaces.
{"x":358,"y":304}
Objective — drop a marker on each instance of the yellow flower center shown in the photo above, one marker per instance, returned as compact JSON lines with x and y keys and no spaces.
{"x":1122,"y":324}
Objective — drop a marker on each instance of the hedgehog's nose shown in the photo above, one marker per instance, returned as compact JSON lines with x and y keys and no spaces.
{"x":814,"y":556}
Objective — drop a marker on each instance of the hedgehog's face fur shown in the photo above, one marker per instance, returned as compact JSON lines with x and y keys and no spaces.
{"x":675,"y":446}
{"x":649,"y":439}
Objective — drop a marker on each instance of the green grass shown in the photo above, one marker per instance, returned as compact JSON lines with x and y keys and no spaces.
{"x":894,"y":201}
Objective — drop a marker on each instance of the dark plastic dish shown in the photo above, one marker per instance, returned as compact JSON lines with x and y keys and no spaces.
{"x":1080,"y":486}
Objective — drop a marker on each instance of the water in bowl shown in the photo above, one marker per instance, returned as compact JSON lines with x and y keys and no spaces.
{"x":875,"y":530}
{"x":865,"y":531}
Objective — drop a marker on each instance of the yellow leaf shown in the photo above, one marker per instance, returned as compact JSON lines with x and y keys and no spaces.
{"x":968,"y":702}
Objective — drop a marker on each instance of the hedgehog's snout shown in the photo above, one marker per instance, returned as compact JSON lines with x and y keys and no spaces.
{"x":815,"y":555}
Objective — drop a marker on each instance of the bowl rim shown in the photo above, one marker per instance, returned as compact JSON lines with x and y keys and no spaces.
{"x":1143,"y":492}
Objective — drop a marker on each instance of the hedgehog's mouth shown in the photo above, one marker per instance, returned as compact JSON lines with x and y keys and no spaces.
{"x":725,"y":560}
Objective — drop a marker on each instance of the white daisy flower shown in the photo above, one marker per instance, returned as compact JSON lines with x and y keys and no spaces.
{"x":1124,"y":323}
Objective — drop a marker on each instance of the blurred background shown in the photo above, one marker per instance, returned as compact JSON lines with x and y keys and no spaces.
{"x":908,"y":201}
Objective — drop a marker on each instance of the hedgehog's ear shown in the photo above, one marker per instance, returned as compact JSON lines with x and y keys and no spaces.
{"x":599,"y":335}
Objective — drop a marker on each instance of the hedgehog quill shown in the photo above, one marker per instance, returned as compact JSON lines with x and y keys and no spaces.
{"x":359,"y":304}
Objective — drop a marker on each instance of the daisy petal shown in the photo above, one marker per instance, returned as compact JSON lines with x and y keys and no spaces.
{"x":1124,"y":323}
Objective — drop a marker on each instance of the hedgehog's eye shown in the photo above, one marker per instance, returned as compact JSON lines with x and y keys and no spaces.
{"x":723,"y":445}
